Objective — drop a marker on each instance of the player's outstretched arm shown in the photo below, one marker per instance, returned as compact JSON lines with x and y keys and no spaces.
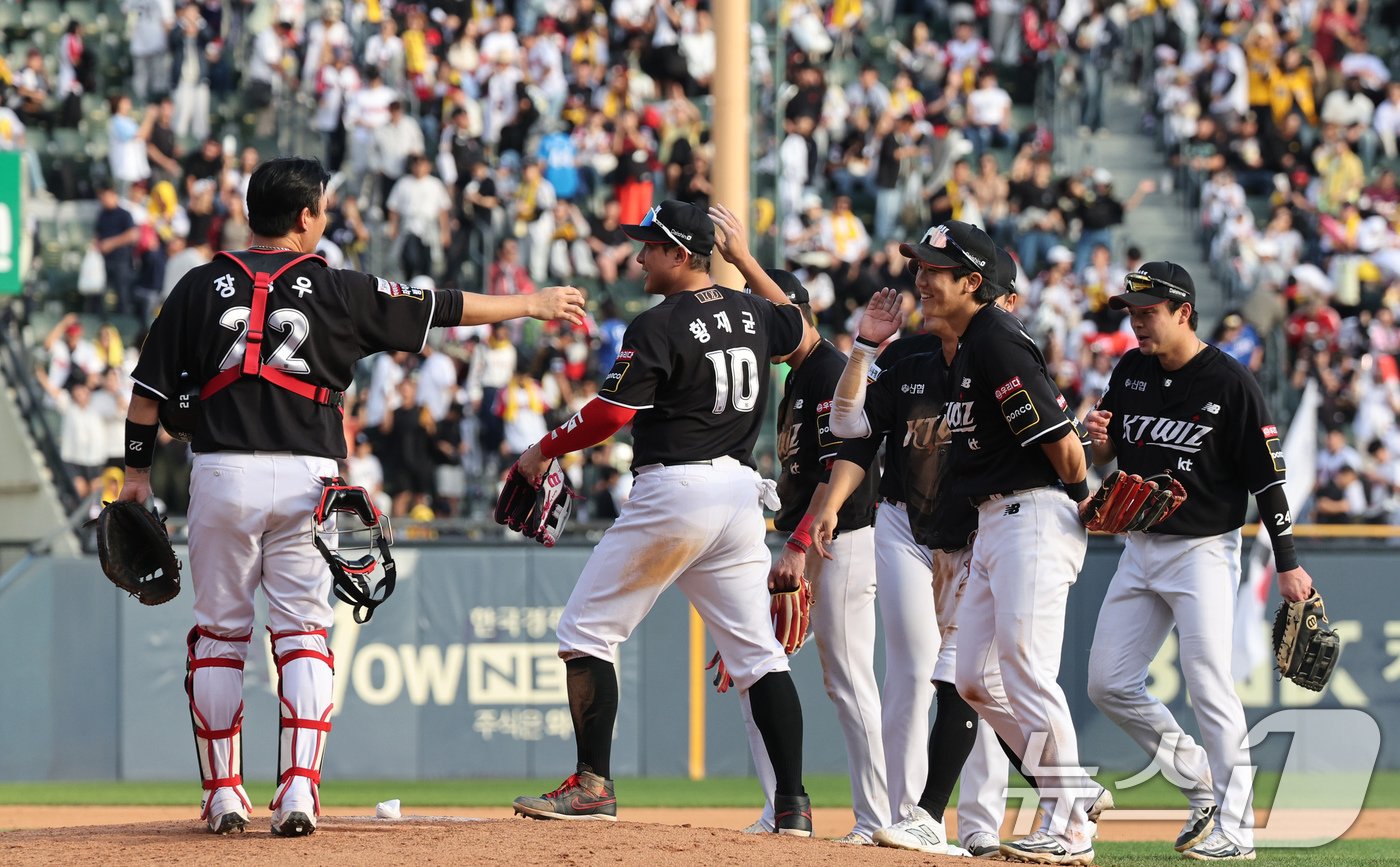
{"x":594,"y":422}
{"x":878,"y":323}
{"x":733,"y":245}
{"x":551,"y":302}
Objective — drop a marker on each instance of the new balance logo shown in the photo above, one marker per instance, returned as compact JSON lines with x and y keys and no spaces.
{"x":1013,"y":509}
{"x":926,"y":836}
{"x":1212,"y":408}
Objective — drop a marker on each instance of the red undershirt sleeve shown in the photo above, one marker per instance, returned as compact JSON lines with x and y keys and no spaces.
{"x":595,"y":422}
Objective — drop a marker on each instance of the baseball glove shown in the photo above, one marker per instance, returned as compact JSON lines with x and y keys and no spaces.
{"x":791,"y":611}
{"x":135,"y":552}
{"x":1124,"y":503}
{"x":1305,"y":650}
{"x":540,"y":511}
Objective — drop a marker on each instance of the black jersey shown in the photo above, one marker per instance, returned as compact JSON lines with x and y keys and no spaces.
{"x":1206,"y":424}
{"x":1002,"y":409}
{"x":319,"y":322}
{"x":863,"y":451}
{"x":906,"y":402}
{"x":695,"y":367}
{"x":807,"y":448}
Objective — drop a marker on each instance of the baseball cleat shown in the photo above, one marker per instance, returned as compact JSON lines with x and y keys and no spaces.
{"x":855,"y":838}
{"x":1218,"y":847}
{"x":584,"y":796}
{"x":757,"y":828}
{"x":226,"y":811}
{"x":294,"y":823}
{"x":919,"y":832}
{"x":1041,"y":848}
{"x":983,"y":844}
{"x":792,"y":814}
{"x":225,"y":823}
{"x":1198,"y":826}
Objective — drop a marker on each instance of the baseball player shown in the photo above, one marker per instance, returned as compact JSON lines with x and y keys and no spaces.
{"x":843,"y":582}
{"x":691,"y":378}
{"x":272,"y":334}
{"x":1013,"y":451}
{"x":905,"y":400}
{"x":1180,"y":406}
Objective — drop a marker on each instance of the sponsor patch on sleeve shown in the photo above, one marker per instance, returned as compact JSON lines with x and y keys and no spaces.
{"x":825,"y":438}
{"x":1270,"y":431}
{"x":873,"y":374}
{"x":1008,"y":387}
{"x":614,"y":377}
{"x":1061,"y":402}
{"x":1019,"y":411}
{"x":625,"y":355}
{"x":1275,"y":447}
{"x":398,"y":290}
{"x":824,"y":406}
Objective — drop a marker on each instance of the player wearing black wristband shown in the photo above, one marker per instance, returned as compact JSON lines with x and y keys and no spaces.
{"x":1179,"y":406}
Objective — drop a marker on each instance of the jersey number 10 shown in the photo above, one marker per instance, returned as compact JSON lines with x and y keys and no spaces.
{"x":744,"y":367}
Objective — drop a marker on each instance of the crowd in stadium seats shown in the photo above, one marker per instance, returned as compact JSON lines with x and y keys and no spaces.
{"x":500,"y":145}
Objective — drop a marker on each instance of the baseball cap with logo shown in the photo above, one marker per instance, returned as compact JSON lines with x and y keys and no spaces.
{"x":1006,"y":273}
{"x":675,"y":222}
{"x":789,"y":284}
{"x":955,"y":244}
{"x":1154,"y":283}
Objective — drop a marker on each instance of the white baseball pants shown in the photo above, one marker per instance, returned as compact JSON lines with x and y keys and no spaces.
{"x":1028,"y":552}
{"x":843,"y":625}
{"x":701,"y":528}
{"x":904,"y":590}
{"x":1189,"y":582}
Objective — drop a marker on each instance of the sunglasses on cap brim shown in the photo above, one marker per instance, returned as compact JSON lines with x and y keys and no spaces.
{"x":938,"y":239}
{"x":653,"y":218}
{"x":1149,"y":285}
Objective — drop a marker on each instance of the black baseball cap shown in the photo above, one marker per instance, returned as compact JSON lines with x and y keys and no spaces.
{"x":675,"y":222}
{"x":789,"y":284}
{"x":956,"y":244}
{"x":1006,"y":273}
{"x":1154,"y":283}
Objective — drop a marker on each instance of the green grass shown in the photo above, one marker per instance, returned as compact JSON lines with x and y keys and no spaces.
{"x":1343,"y":852}
{"x":827,"y":790}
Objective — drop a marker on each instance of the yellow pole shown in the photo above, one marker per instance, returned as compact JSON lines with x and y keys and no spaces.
{"x":731,"y":121}
{"x":697,"y":695}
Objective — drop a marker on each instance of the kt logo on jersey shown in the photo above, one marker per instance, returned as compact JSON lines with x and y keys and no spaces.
{"x":1151,"y":430}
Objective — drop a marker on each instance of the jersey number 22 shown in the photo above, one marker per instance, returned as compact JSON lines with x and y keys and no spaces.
{"x":294,"y":322}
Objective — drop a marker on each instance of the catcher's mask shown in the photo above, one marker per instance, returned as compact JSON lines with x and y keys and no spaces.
{"x":351,"y":577}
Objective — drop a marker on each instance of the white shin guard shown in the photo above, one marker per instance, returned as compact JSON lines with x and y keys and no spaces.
{"x":214,"y":683}
{"x":304,"y":671}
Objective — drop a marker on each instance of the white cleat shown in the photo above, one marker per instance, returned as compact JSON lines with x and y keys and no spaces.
{"x":757,"y":828}
{"x":293,"y":823}
{"x":983,"y":844}
{"x":855,"y":838}
{"x":227,"y":812}
{"x":919,"y":832}
{"x":1198,"y":826}
{"x":1218,"y":847}
{"x":1041,"y":848}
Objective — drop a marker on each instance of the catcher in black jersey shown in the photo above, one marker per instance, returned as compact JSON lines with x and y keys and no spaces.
{"x":1179,"y":406}
{"x":692,"y":378}
{"x":269,"y":336}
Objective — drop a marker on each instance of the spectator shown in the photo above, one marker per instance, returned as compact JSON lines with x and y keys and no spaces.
{"x":437,"y":380}
{"x":1099,"y":211}
{"x":364,"y":470}
{"x":189,"y":44}
{"x":384,"y":51}
{"x":366,"y":111}
{"x":32,"y":91}
{"x":323,"y":37}
{"x":151,"y":24}
{"x":1352,"y":110}
{"x":492,"y":366}
{"x":521,"y":408}
{"x":1335,"y":455}
{"x":988,"y":114}
{"x":395,"y":143}
{"x":967,"y":54}
{"x":614,"y":254}
{"x":163,"y":151}
{"x":72,"y":357}
{"x":74,"y":63}
{"x":407,"y":435}
{"x":115,"y":237}
{"x":269,"y":74}
{"x":1342,"y":499}
{"x":1382,"y":480}
{"x":419,"y":208}
{"x":1386,"y":120}
{"x":1238,"y":339}
{"x":82,"y":435}
{"x":336,"y":83}
{"x":1095,"y":43}
{"x":569,"y":254}
{"x":126,"y":142}
{"x":531,"y":212}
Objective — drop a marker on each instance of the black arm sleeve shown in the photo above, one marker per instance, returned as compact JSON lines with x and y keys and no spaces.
{"x":448,"y":311}
{"x":1278,"y":519}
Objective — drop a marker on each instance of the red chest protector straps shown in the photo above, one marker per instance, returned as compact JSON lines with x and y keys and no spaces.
{"x":252,"y":364}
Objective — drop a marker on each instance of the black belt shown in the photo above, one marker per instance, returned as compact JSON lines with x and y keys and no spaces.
{"x":982,"y":499}
{"x":893,"y":502}
{"x":708,"y":463}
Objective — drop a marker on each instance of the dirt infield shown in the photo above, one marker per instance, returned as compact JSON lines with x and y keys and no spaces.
{"x":169,"y":835}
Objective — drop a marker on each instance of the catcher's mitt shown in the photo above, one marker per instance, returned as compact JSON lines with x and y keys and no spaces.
{"x":1305,"y":650}
{"x":1124,"y":503}
{"x":791,"y":611}
{"x":135,"y":552}
{"x":540,"y":511}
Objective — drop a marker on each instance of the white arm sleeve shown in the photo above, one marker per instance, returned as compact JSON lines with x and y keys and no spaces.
{"x":848,"y":420}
